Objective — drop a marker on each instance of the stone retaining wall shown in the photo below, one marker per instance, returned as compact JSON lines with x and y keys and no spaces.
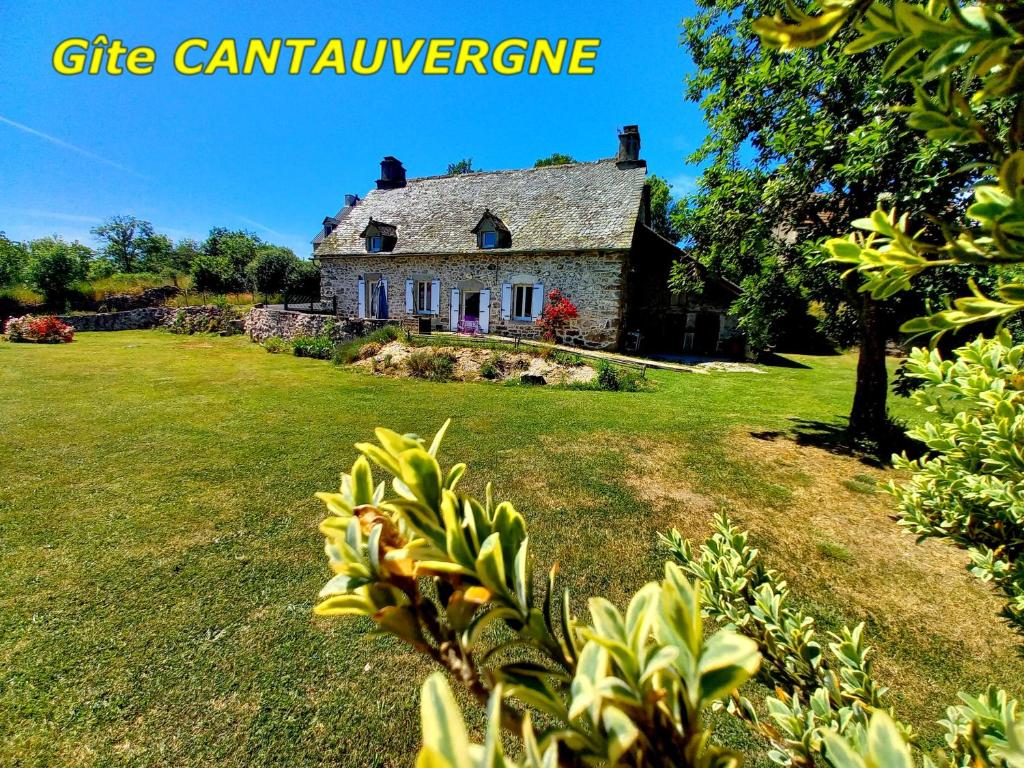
{"x":130,"y":320}
{"x":262,"y":323}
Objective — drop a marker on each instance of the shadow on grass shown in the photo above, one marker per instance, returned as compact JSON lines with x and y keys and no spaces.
{"x":834,"y":437}
{"x":778,"y":361}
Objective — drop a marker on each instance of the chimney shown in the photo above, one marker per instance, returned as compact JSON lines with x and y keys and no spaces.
{"x":351,"y":200}
{"x":392,"y":174}
{"x":629,"y":148}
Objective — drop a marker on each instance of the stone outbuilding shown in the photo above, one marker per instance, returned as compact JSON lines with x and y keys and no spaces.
{"x":481,"y":252}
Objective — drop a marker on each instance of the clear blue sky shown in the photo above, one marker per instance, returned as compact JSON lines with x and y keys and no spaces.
{"x":275,"y":154}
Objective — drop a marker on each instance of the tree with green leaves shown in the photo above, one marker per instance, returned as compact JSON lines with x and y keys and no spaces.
{"x":965,"y":67}
{"x":54,"y":266}
{"x":798,"y":147}
{"x":555,"y":158}
{"x":661,"y":207}
{"x":271,"y":269}
{"x":131,"y":244}
{"x":304,"y":279}
{"x":465,"y":165}
{"x":228,"y":254}
{"x":13,"y":260}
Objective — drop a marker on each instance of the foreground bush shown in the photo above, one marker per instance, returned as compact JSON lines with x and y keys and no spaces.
{"x":970,"y":488}
{"x":275,"y":345}
{"x":39,"y":329}
{"x":451,"y":575}
{"x":318,"y":347}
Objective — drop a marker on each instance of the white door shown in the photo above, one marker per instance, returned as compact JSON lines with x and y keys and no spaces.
{"x":485,"y":310}
{"x":454,"y":312}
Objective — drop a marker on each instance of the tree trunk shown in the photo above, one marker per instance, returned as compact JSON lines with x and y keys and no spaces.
{"x":868,"y":417}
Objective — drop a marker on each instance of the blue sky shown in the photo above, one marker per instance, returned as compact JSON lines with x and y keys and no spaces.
{"x":275,"y":154}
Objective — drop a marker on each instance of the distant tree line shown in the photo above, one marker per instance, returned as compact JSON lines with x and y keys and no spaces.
{"x":228,"y":261}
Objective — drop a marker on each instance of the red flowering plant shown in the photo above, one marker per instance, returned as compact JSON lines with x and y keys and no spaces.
{"x":556,"y":315}
{"x":39,"y":330}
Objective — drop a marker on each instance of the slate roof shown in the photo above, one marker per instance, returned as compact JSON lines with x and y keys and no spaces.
{"x":342,"y":212}
{"x":580,"y":206}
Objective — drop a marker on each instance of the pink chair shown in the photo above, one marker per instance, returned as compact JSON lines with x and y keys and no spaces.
{"x":469,"y":325}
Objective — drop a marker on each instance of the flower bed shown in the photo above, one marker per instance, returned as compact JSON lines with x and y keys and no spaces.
{"x":45,"y":329}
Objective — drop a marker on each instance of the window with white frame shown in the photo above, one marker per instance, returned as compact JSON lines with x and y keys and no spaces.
{"x":522,"y":302}
{"x":489,"y":239}
{"x":374,"y":243}
{"x":423,"y":297}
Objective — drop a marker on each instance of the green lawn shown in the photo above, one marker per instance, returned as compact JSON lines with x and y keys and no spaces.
{"x":161,"y":557}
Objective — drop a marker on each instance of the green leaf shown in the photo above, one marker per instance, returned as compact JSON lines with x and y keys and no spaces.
{"x":362,"y":482}
{"x":435,"y":445}
{"x":839,"y":753}
{"x":622,"y":732}
{"x":728,"y":660}
{"x":443,"y":729}
{"x":490,"y":565}
{"x":886,"y":746}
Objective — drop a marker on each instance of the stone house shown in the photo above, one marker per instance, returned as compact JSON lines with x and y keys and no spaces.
{"x":480,"y":252}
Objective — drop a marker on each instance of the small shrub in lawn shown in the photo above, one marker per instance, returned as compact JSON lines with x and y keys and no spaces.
{"x":275,"y":344}
{"x":491,"y":367}
{"x":317,"y":347}
{"x":432,"y":365}
{"x":836,"y":552}
{"x":369,"y":350}
{"x":347,"y":352}
{"x":613,"y":379}
{"x":45,"y":329}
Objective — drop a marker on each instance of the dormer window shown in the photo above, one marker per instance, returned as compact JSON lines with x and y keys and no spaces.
{"x":491,"y":232}
{"x":379,"y":237}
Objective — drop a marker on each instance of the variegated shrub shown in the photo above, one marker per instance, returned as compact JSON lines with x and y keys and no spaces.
{"x":451,"y":575}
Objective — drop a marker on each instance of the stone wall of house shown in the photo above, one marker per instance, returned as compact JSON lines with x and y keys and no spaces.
{"x":593,"y":281}
{"x":262,"y":323}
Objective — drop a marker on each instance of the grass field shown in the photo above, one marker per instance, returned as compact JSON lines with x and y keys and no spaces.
{"x":161,"y":557}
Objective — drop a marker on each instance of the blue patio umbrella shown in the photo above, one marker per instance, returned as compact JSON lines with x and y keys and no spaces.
{"x":382,"y":300}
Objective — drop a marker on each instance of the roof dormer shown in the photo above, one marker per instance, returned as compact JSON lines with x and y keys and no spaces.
{"x":491,"y":232}
{"x":380,"y":237}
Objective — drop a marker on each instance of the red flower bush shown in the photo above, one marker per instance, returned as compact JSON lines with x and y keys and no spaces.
{"x":39,"y":330}
{"x":556,"y":315}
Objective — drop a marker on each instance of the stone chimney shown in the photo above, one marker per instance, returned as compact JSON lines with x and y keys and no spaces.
{"x":392,"y":174}
{"x":629,"y":148}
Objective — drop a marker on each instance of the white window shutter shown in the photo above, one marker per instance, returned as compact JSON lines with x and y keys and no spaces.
{"x":361,"y":288}
{"x":435,"y":298}
{"x":408,"y":296}
{"x":485,"y":310}
{"x":506,"y":301}
{"x":538,"y":299}
{"x":454,"y":314}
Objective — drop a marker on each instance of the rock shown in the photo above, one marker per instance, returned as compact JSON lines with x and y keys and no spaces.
{"x":529,"y":378}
